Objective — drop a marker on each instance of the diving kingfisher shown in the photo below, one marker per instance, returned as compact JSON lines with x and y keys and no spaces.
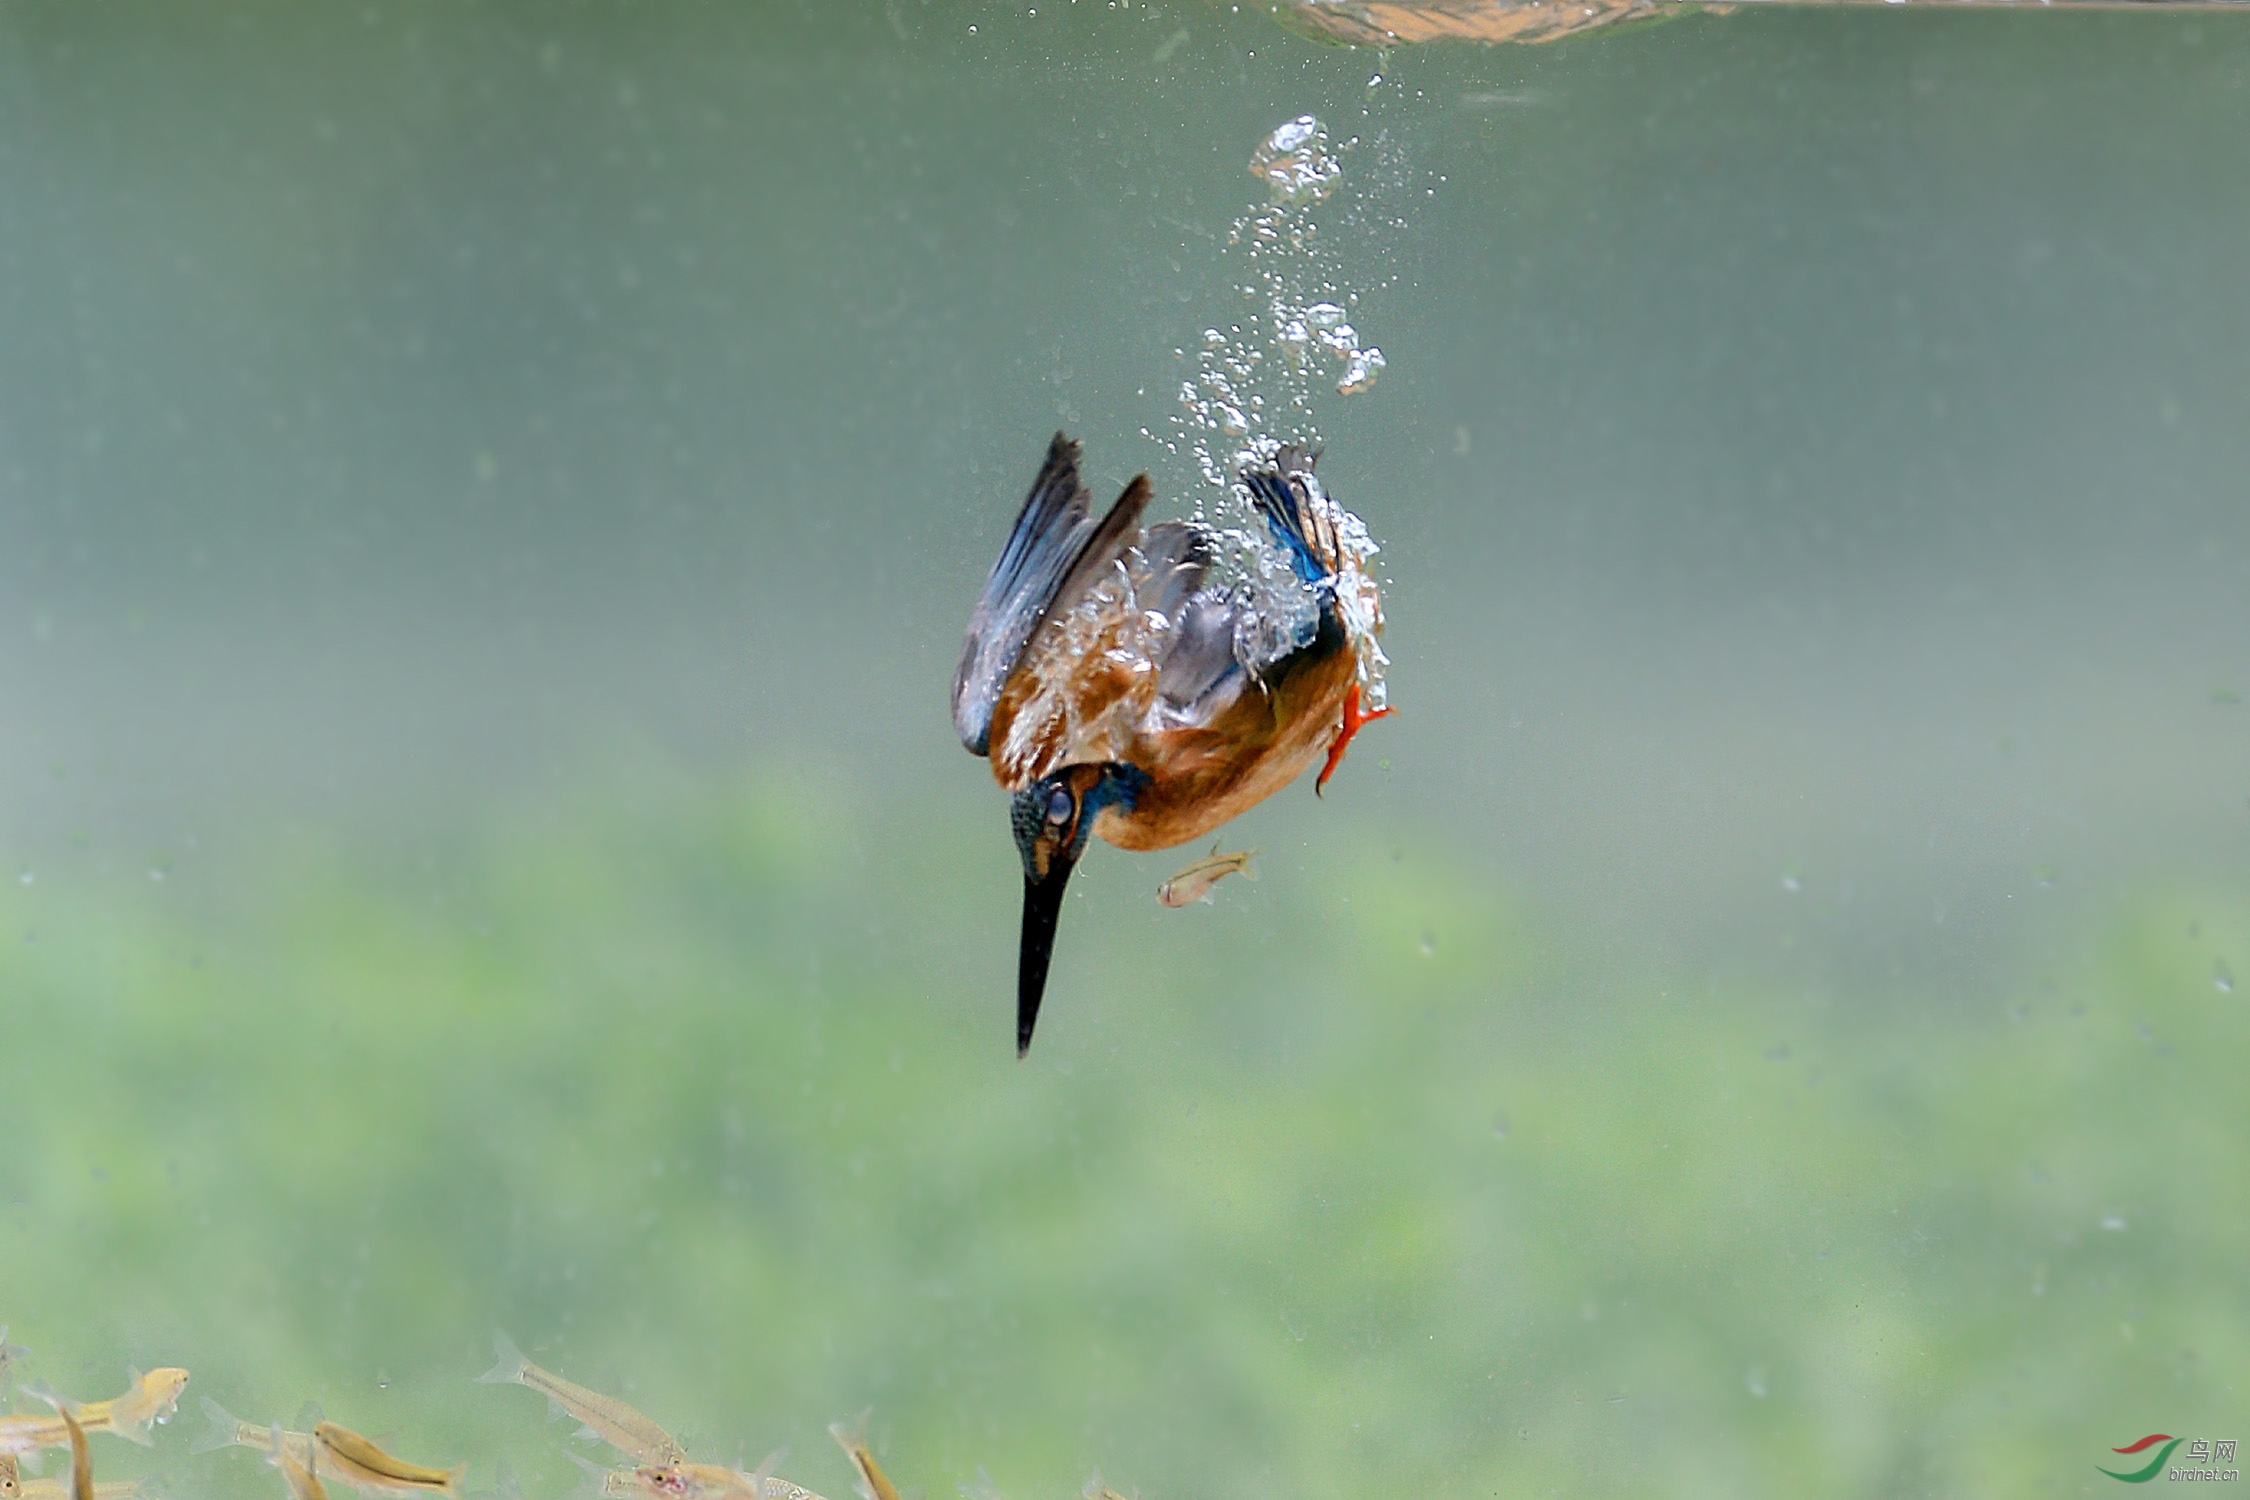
{"x":1120,"y":692}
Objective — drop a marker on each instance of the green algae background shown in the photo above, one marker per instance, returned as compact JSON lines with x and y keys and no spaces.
{"x":1478,"y":1229}
{"x":489,"y":496}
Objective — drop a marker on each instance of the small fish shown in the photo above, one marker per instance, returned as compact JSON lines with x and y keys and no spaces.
{"x":874,"y":1484}
{"x":303,"y":1483}
{"x":611,"y":1420}
{"x":1194,"y":883}
{"x":57,"y":1489}
{"x":230,"y":1431}
{"x":81,"y":1461}
{"x":693,"y":1482}
{"x":348,"y":1446}
{"x":277,"y":1442}
{"x":151,"y":1397}
{"x":1503,"y":99}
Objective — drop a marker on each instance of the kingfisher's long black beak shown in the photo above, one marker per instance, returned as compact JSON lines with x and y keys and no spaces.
{"x":1042,"y":905}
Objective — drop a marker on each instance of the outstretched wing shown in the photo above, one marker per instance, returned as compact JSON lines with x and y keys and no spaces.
{"x":1057,"y":548}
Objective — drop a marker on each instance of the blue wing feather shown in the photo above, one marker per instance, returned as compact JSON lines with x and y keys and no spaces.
{"x":1056,"y":548}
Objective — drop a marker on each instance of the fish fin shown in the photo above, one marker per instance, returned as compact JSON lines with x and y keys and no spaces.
{"x":134,"y":1432}
{"x":1249,"y":870}
{"x":54,"y":1398}
{"x":585,"y":1431}
{"x":509,"y":1370}
{"x":224,"y":1429}
{"x":761,"y":1475}
{"x":596,"y":1475}
{"x":852,"y":1438}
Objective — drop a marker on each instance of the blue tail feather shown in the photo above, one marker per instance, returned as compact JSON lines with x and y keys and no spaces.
{"x":1285,"y":503}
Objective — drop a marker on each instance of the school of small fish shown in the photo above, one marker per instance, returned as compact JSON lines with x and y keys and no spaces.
{"x":309,"y":1462}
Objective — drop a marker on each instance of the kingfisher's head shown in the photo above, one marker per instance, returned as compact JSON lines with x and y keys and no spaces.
{"x":1053,"y":818}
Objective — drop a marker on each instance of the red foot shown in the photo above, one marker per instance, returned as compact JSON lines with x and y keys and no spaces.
{"x":1354,"y":720}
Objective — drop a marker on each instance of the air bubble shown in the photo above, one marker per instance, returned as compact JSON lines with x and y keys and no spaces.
{"x":1294,"y":162}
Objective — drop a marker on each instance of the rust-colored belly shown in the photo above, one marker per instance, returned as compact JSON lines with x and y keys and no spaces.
{"x":1204,"y":776}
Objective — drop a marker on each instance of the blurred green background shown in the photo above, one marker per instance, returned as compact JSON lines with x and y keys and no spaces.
{"x":489,"y":495}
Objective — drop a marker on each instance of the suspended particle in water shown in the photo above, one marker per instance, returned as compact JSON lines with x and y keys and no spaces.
{"x":2222,"y":977}
{"x":1755,"y":1381}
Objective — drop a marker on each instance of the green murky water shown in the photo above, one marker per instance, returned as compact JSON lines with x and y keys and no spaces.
{"x":489,"y":497}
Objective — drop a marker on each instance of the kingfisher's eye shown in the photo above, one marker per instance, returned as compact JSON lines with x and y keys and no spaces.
{"x":1058,"y":806}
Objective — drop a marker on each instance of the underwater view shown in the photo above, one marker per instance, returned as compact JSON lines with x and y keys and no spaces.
{"x":493,"y":497}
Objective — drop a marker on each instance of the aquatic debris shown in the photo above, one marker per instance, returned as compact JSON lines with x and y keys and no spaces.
{"x":1194,"y":883}
{"x":149,"y":1399}
{"x":606,"y":1417}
